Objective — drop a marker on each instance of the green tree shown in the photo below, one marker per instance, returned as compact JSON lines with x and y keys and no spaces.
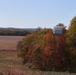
{"x":71,"y":41}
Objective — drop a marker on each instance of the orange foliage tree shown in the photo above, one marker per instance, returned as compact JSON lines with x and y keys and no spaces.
{"x":43,"y":50}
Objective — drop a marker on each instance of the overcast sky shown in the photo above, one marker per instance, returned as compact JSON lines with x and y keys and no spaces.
{"x":36,"y":13}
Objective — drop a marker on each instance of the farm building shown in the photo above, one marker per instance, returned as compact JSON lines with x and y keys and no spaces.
{"x":58,"y":30}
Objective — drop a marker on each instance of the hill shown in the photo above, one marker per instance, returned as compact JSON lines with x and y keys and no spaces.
{"x":16,"y":31}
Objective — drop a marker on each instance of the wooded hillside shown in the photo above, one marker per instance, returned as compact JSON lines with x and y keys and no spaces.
{"x":15,"y":31}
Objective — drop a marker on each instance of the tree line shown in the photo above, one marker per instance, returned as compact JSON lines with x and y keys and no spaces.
{"x":41,"y":50}
{"x":13,"y":32}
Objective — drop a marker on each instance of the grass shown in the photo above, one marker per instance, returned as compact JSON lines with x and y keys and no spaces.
{"x":11,"y":64}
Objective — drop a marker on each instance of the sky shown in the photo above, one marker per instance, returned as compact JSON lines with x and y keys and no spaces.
{"x":36,"y":13}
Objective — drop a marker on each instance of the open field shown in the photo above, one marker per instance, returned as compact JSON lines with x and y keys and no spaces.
{"x":11,"y":64}
{"x":9,"y":42}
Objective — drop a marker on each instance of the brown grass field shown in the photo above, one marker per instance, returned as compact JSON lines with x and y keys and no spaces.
{"x":11,"y":64}
{"x":9,"y":42}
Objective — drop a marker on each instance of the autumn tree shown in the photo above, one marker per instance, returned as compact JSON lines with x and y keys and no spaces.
{"x":40,"y":49}
{"x":72,"y":33}
{"x":71,"y":40}
{"x":60,"y":24}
